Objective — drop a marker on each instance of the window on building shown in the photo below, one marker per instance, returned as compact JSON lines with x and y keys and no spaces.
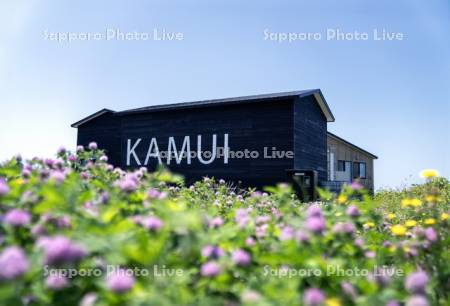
{"x":341,"y":165}
{"x":359,"y":170}
{"x":362,"y":170}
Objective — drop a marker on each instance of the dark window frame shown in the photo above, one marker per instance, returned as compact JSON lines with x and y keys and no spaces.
{"x":341,"y":162}
{"x":357,"y":170}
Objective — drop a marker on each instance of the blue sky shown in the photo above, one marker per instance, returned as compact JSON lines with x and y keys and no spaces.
{"x":389,"y":97}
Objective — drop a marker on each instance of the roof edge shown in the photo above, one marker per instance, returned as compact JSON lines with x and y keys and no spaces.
{"x":352,"y":145}
{"x":90,"y":117}
{"x":324,"y":106}
{"x":317,"y":93}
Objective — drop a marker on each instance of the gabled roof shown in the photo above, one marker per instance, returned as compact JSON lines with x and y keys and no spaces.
{"x":93,"y":116}
{"x":239,"y":100}
{"x":227,"y":101}
{"x":351,"y":145}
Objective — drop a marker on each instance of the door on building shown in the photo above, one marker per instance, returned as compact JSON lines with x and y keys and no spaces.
{"x":304,"y":183}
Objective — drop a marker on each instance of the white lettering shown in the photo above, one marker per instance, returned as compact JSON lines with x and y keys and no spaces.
{"x":155,"y":154}
{"x":199,"y":150}
{"x":226,"y":148}
{"x":186,"y":146}
{"x":131,"y":151}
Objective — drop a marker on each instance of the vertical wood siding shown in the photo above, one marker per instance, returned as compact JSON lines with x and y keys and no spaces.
{"x":105,"y":130}
{"x":251,"y":126}
{"x":310,"y":137}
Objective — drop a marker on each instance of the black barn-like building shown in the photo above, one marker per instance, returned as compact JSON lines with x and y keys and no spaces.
{"x":254,"y":140}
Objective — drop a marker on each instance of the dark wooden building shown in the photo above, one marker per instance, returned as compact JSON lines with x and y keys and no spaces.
{"x":254,"y":140}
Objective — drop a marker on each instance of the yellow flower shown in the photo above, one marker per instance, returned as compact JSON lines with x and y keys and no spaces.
{"x":410,"y":223}
{"x":392,"y":248}
{"x":429,"y":173}
{"x":369,"y":224}
{"x":444,"y":216}
{"x":332,"y":302}
{"x":430,"y":221}
{"x":338,"y":214}
{"x":430,"y":198}
{"x":391,"y":216}
{"x":406,"y":202}
{"x":398,"y":230}
{"x":342,"y":198}
{"x":416,"y":202}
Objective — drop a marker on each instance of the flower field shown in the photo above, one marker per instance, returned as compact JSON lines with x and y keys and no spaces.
{"x":77,"y":231}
